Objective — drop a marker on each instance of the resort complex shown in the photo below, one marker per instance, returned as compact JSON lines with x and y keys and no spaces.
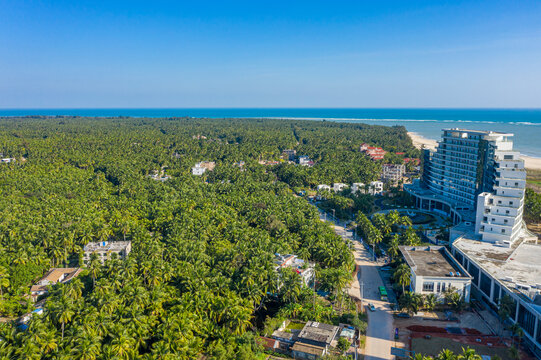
{"x":477,"y":179}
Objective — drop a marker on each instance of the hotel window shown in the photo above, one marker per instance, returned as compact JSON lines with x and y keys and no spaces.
{"x":503,"y":231}
{"x":507,"y":211}
{"x":442,"y":287}
{"x":428,"y":286}
{"x":438,"y":288}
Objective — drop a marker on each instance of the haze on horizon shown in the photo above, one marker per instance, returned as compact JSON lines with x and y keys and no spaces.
{"x":69,"y":54}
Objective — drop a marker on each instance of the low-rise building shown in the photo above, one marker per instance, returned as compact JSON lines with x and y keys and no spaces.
{"x":301,"y":267}
{"x":104,"y":249}
{"x":323,"y":187}
{"x":53,"y":276}
{"x":393,"y":173}
{"x":289,"y":154}
{"x":374,"y":188}
{"x":339,"y":187}
{"x":500,"y":271}
{"x":375,"y":153}
{"x":314,"y":340}
{"x":435,"y":271}
{"x":7,"y":160}
{"x":201,"y":167}
{"x":305,"y":161}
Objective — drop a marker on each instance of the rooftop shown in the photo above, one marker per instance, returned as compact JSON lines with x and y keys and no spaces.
{"x":520,"y":263}
{"x":308,"y":349}
{"x":432,"y":261}
{"x":107,"y":246}
{"x":318,"y":332}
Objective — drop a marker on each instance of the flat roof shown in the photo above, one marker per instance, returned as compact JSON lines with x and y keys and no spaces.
{"x":318,"y":332}
{"x":107,"y":246}
{"x":432,"y":261}
{"x":521,"y":261}
{"x":308,"y":348}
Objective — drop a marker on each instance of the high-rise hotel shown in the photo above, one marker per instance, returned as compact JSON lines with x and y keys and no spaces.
{"x":477,"y":179}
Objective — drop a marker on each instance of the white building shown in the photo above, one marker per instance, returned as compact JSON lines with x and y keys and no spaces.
{"x":104,"y":249}
{"x":513,"y":271}
{"x":323,"y":187}
{"x":7,"y":160}
{"x":393,"y":172}
{"x":476,"y":178}
{"x":200,"y":168}
{"x":339,"y":187}
{"x":374,"y":188}
{"x":301,"y":267}
{"x":435,"y":271}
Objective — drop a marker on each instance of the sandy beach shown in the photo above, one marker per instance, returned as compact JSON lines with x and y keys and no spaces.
{"x":420,"y":141}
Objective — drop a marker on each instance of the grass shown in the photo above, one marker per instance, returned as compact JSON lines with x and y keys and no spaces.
{"x":433,"y":346}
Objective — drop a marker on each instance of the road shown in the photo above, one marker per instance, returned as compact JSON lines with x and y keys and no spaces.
{"x":379,"y":334}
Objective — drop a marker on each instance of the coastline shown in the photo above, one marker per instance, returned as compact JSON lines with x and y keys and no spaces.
{"x":530,"y":162}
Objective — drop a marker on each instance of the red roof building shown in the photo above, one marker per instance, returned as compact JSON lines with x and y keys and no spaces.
{"x":375,"y":153}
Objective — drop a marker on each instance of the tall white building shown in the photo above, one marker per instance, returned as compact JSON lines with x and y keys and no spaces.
{"x":477,"y":178}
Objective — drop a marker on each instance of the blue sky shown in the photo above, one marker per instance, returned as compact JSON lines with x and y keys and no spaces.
{"x":270,"y":53}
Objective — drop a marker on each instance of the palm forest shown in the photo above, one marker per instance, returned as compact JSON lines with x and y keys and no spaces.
{"x":200,"y":280}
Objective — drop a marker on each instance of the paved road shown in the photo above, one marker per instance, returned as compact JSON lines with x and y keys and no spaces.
{"x":379,"y":334}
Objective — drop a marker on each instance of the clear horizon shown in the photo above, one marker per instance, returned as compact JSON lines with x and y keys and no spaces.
{"x":240,"y":54}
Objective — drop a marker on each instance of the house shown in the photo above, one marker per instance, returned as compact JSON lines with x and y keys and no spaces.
{"x":393,"y":173}
{"x":339,"y":187}
{"x":289,"y":154}
{"x":200,"y":168}
{"x":305,"y":161}
{"x":374,"y":188}
{"x":375,"y":153}
{"x":104,"y":249}
{"x":307,"y":351}
{"x":314,"y":340}
{"x":7,"y":160}
{"x":323,"y":187}
{"x":301,"y":267}
{"x":53,"y":276}
{"x":239,"y":164}
{"x":435,"y":271}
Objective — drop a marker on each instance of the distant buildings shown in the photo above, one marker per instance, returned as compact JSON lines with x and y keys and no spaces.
{"x":301,"y":267}
{"x":374,"y":188}
{"x":289,"y":154}
{"x":339,"y":186}
{"x":435,"y":271}
{"x":104,"y":249}
{"x":323,"y":187}
{"x":53,"y":276}
{"x":305,"y":161}
{"x":393,"y":173}
{"x":375,"y":153}
{"x":200,"y":168}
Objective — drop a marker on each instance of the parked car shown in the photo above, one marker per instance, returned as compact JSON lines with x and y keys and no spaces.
{"x":371,"y":307}
{"x":403,"y":315}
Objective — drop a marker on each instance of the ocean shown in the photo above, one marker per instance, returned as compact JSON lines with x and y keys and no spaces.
{"x":524,"y":123}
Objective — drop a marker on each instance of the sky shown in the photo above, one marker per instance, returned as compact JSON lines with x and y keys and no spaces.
{"x":175,"y":54}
